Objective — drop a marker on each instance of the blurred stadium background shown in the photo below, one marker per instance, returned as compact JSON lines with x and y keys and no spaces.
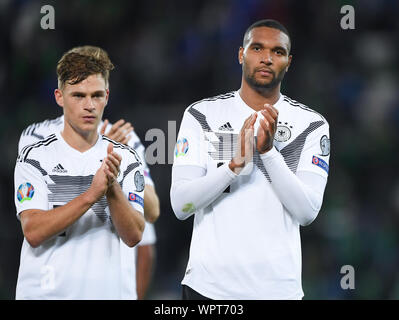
{"x":169,"y":54}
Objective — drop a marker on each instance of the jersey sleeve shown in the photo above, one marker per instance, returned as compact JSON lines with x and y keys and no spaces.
{"x":136,"y":144}
{"x":315,"y":156}
{"x":30,"y":188}
{"x":149,"y":236}
{"x":133,"y":185}
{"x":25,"y":140}
{"x":191,"y":146}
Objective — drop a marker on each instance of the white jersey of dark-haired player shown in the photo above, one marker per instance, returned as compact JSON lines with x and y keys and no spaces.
{"x":245,"y":243}
{"x":86,"y":260}
{"x":38,"y":131}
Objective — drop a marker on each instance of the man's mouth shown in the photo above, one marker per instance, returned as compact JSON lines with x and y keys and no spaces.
{"x":89,"y":118}
{"x":265,"y":72}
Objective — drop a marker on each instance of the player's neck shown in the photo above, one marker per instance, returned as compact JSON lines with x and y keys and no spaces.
{"x":81,"y":141}
{"x":256,"y":99}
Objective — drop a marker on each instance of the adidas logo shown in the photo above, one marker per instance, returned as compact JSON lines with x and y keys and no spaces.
{"x":59,"y":169}
{"x":226,"y":127}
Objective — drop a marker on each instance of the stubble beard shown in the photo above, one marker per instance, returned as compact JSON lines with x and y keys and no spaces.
{"x":262,"y":86}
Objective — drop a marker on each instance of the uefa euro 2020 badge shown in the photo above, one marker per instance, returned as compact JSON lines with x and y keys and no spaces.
{"x":139,"y":181}
{"x":25,"y":192}
{"x":181,"y":147}
{"x":325,"y":146}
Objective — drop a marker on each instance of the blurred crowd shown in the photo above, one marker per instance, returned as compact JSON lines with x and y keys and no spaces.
{"x":169,"y":54}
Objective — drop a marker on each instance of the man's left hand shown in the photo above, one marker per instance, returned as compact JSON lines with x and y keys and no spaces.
{"x":119,"y":132}
{"x":267,"y":129}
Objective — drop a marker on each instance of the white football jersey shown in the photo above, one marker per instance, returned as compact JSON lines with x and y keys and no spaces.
{"x":246,"y":245}
{"x":38,"y":131}
{"x":85,"y":260}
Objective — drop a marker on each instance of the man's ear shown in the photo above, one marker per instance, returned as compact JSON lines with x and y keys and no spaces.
{"x":59,"y":98}
{"x":106,"y":97}
{"x":289,"y":63}
{"x":241,"y":55}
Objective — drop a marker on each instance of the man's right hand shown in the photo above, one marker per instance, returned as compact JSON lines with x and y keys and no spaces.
{"x":99,"y":184}
{"x":119,"y":132}
{"x":245,"y":145}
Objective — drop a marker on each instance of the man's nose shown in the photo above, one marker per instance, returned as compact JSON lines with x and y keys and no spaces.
{"x":267,"y":58}
{"x":89,"y":104}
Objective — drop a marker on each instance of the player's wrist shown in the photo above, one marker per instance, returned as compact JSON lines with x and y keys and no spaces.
{"x":90,"y":197}
{"x":271,"y":154}
{"x":266,"y":150}
{"x":236,"y":167}
{"x":113,"y":189}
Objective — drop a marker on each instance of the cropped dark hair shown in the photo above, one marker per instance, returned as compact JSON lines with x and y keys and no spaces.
{"x":270,"y":23}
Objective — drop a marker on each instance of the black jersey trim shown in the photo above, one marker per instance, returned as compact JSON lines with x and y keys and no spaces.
{"x":30,"y":130}
{"x":224,"y":96}
{"x":129,"y":169}
{"x":37,"y":165}
{"x":201,"y":118}
{"x":38,"y":136}
{"x":124,"y":146}
{"x":295,"y":103}
{"x":220,"y":152}
{"x":292,"y":152}
{"x":27,"y":149}
{"x":65,"y":188}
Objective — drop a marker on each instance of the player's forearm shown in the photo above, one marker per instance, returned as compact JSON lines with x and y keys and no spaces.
{"x":151,"y":204}
{"x":145,"y":257}
{"x":192,"y":194}
{"x":41,"y":225}
{"x":302,"y":200}
{"x":128,"y":222}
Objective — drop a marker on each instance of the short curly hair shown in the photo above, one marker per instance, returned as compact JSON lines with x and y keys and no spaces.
{"x":80,"y":62}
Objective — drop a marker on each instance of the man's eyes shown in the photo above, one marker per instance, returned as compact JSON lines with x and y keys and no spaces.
{"x":280,"y":52}
{"x":98,"y":95}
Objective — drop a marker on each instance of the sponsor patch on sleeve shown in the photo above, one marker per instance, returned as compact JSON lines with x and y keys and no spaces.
{"x":136,"y":198}
{"x":25,"y":192}
{"x":320,"y":163}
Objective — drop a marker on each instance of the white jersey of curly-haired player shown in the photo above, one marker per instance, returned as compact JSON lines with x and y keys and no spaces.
{"x":37,"y":131}
{"x":51,"y":173}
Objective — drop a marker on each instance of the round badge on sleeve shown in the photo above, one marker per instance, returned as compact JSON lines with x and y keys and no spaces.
{"x":25,"y":192}
{"x":139,"y":181}
{"x":325,"y":145}
{"x":181,"y":147}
